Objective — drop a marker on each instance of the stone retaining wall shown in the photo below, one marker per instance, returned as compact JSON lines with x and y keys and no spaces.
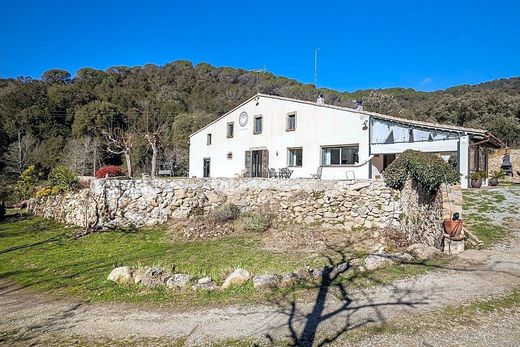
{"x":114,"y":203}
{"x":110,"y":203}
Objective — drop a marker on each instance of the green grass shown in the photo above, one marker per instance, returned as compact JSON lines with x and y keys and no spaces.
{"x":43,"y":255}
{"x":53,"y":261}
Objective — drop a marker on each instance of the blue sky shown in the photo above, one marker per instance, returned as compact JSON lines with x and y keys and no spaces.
{"x":426,"y":45}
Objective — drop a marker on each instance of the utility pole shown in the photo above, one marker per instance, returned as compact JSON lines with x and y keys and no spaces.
{"x":316,"y":67}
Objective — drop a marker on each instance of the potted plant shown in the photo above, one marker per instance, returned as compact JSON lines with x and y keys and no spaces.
{"x":495,"y":176}
{"x":453,"y":226}
{"x":476,"y":178}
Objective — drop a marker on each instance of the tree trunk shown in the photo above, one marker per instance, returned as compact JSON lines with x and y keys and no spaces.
{"x":94,"y":160}
{"x":153,"y":144}
{"x":128,"y":159}
{"x":20,"y":159}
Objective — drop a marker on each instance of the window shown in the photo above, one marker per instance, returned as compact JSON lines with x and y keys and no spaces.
{"x":340,"y":155}
{"x":230,"y":155}
{"x":295,"y":157}
{"x":230,"y":129}
{"x":291,"y":121}
{"x":208,"y":139}
{"x":258,"y":125}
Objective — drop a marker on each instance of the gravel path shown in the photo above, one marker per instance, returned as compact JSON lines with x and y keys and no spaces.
{"x":471,"y":276}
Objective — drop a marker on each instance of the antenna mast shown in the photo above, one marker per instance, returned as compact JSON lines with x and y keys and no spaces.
{"x":316,"y":67}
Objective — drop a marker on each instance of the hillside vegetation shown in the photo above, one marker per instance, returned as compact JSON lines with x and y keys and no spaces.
{"x":60,"y":119}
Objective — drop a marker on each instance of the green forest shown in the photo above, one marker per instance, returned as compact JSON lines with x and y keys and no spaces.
{"x":143,"y":115}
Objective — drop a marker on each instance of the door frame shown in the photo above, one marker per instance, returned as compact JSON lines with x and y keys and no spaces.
{"x":208,"y":161}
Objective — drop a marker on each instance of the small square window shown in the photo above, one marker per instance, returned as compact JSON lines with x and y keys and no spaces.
{"x":230,"y":130}
{"x":295,"y":157}
{"x":208,"y":139}
{"x":291,"y":122}
{"x":257,"y":129}
{"x":230,"y":155}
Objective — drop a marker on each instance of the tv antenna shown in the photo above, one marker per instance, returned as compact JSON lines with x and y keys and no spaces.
{"x":316,"y":67}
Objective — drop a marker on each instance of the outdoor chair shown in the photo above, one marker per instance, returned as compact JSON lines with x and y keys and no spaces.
{"x":317,"y":175}
{"x":273,"y":173}
{"x":285,"y":173}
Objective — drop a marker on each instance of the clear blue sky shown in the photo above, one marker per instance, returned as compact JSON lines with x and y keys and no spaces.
{"x":425,"y":45}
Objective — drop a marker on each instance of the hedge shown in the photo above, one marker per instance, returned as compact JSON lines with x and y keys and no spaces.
{"x":426,"y":168}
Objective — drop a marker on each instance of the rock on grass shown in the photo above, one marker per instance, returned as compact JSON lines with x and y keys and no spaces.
{"x":237,"y":277}
{"x":122,"y":274}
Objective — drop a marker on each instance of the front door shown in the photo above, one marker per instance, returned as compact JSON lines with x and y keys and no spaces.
{"x":257,"y":163}
{"x":205,"y":167}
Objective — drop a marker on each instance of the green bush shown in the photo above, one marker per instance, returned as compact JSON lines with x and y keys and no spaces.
{"x":225,"y":213}
{"x":428,"y":169}
{"x":256,"y":221}
{"x":63,"y":178}
{"x":27,"y":183}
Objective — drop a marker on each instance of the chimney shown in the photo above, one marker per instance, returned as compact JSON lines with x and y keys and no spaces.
{"x":358,"y":105}
{"x":320,"y":100}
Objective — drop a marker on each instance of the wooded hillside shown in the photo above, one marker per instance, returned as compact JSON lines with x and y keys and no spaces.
{"x":99,"y":117}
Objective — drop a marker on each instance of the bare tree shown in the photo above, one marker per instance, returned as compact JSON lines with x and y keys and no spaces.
{"x":79,"y":153}
{"x":121,"y":142}
{"x":152,"y":128}
{"x":19,"y":153}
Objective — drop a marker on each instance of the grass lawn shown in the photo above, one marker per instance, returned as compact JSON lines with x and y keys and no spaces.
{"x":39,"y":254}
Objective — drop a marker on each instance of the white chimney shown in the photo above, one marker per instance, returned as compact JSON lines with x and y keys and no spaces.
{"x":320,"y":100}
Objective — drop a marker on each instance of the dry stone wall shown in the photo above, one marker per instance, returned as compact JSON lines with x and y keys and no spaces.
{"x":112,"y":203}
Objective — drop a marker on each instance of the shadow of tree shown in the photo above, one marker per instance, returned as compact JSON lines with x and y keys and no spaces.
{"x":334,"y":311}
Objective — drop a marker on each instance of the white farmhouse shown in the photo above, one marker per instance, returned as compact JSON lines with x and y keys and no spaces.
{"x":267,"y":133}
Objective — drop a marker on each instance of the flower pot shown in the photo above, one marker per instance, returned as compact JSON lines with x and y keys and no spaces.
{"x":476,"y":183}
{"x":493,"y":182}
{"x":453,"y":227}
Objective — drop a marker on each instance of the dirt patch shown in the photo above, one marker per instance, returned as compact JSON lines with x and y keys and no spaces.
{"x":200,"y":229}
{"x":309,"y":239}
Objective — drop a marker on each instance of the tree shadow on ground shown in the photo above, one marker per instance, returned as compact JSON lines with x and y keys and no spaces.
{"x":335,"y":311}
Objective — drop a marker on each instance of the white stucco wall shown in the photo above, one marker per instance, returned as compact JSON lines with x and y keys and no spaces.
{"x":316,"y":126}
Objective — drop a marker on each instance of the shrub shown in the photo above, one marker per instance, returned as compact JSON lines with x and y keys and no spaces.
{"x":225,"y":213}
{"x":257,"y":221}
{"x":477,"y":175}
{"x":498,"y":174}
{"x":27,"y":183}
{"x":111,"y":170}
{"x":429,"y":170}
{"x":62,"y":178}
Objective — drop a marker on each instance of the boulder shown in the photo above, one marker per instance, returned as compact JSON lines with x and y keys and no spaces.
{"x":289,"y":280}
{"x":178,"y":281}
{"x":377,"y":261}
{"x":121,"y":274}
{"x":266,"y":281}
{"x":237,"y":277}
{"x":152,"y":277}
{"x":422,"y":252}
{"x":204,"y":280}
{"x":205,"y":283}
{"x":340,"y":269}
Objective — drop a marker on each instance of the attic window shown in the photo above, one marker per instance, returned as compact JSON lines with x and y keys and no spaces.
{"x":230,"y":155}
{"x":208,"y":139}
{"x":257,"y":128}
{"x":230,"y":130}
{"x":291,"y":121}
